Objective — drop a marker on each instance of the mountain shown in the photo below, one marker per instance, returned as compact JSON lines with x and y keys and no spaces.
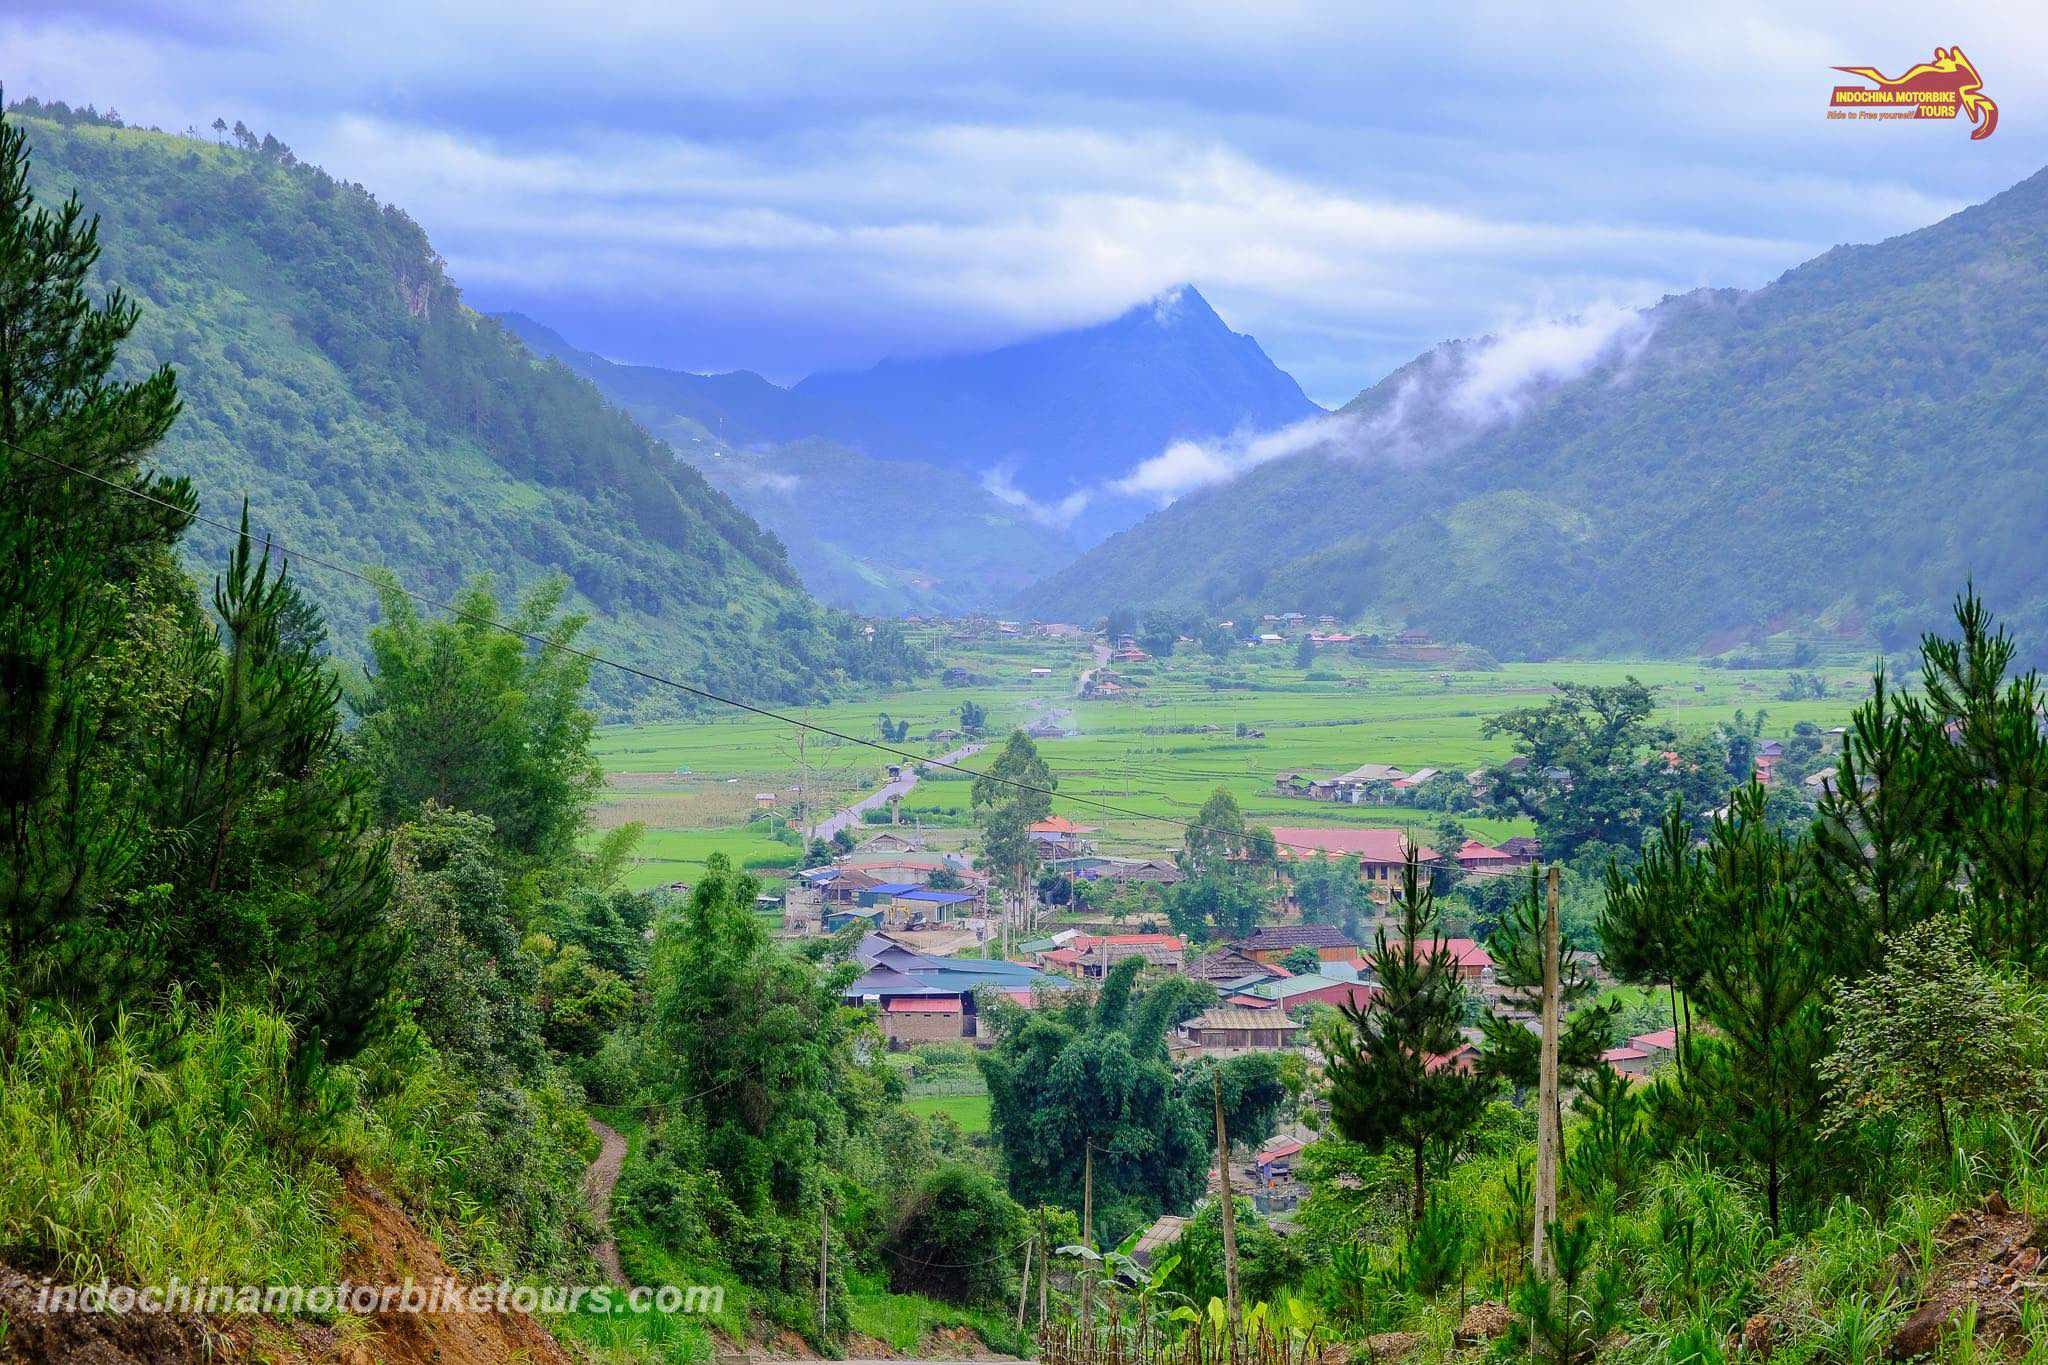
{"x":869,"y":533}
{"x":1060,"y":415}
{"x":1841,"y":448}
{"x":332,"y":375}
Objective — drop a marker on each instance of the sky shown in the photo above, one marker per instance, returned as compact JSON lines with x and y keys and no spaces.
{"x":789,"y":188}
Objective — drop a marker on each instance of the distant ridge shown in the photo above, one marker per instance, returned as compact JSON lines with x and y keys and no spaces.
{"x":1837,"y":451}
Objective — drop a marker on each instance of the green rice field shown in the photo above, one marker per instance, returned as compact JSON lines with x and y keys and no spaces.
{"x":1138,"y":762}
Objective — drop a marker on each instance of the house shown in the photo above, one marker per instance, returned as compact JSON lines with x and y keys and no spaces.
{"x":1297,"y":993}
{"x":1415,"y":779}
{"x":1380,"y":852}
{"x":1484,"y":860}
{"x":1269,"y":945}
{"x":1231,"y":1029}
{"x":1769,"y":755}
{"x":1229,"y":966}
{"x":941,"y":990}
{"x":1163,"y":1233}
{"x":1522,"y":849}
{"x":1293,"y":782}
{"x":1661,"y":1044}
{"x":764,"y":800}
{"x":1130,"y":655}
{"x":839,"y":917}
{"x":1275,"y":1161}
{"x":894,"y":842}
{"x":1368,"y":783}
{"x":1627,"y":1061}
{"x":1101,"y":952}
{"x":845,"y":886}
{"x":1060,"y":837}
{"x":934,"y":907}
{"x":908,"y":1020}
{"x":1158,"y":871}
{"x":1041,"y":673}
{"x":1473,"y":962}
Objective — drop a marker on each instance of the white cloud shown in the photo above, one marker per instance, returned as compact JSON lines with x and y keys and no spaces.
{"x":1001,"y":484}
{"x":1187,"y":465}
{"x":1502,"y":374}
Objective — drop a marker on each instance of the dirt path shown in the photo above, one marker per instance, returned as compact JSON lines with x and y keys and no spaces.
{"x":598,"y":1183}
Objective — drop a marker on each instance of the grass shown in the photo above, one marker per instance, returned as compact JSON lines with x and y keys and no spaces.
{"x":1157,"y":755}
{"x":969,"y":1111}
{"x":124,"y":1168}
{"x":902,"y":1321}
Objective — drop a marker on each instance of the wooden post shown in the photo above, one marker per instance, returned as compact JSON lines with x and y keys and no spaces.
{"x":1088,"y":1235}
{"x":1229,"y":1204}
{"x":1547,"y":1134}
{"x":1024,"y":1285}
{"x":1044,"y":1269}
{"x":824,"y":1252}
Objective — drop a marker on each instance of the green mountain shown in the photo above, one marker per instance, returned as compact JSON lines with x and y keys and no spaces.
{"x":332,"y":374}
{"x":1840,"y":449}
{"x":866,"y":532}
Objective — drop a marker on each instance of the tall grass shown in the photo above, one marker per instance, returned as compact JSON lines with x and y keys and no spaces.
{"x":162,"y":1149}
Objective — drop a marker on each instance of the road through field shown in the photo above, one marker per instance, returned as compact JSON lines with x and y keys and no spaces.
{"x":847,"y":815}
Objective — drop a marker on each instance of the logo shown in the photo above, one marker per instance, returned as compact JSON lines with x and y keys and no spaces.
{"x":1933,"y":89}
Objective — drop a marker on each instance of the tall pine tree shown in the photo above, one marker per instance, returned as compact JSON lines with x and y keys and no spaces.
{"x":1393,"y":1081}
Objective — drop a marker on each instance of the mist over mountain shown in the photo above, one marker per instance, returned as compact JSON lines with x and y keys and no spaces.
{"x":866,"y":532}
{"x":1841,"y":448}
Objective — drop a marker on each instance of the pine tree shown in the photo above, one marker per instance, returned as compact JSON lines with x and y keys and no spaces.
{"x":1510,"y":1052}
{"x":1391,"y":1081}
{"x":1643,"y":921}
{"x":78,"y":560}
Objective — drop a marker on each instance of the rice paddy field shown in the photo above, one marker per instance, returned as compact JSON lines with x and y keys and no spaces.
{"x":1133,"y":765}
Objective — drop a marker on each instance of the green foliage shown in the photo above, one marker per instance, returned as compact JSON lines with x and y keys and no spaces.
{"x":1387,"y":1086}
{"x":1511,"y":1053}
{"x":1565,"y":1317}
{"x":461,"y":712}
{"x":960,"y":1239}
{"x":1267,"y":1263}
{"x":1083,"y":1074}
{"x":1930,"y":1027}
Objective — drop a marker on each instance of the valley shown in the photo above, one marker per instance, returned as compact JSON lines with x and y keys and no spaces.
{"x":1154,"y":755}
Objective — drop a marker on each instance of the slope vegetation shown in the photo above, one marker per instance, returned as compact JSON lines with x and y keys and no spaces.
{"x":335,"y":378}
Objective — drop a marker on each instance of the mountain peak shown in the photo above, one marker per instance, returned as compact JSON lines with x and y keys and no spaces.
{"x":1179,"y":308}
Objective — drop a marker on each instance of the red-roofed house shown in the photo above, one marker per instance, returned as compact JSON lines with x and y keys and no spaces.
{"x":1059,"y":836}
{"x":1627,"y":1061}
{"x":1484,"y":859}
{"x":1474,"y":962}
{"x":908,"y":1020}
{"x":1100,"y":952}
{"x":1464,"y":1060}
{"x":1380,"y":852}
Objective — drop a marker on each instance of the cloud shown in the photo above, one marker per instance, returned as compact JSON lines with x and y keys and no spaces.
{"x":1001,"y":484}
{"x":1452,"y":394}
{"x":1502,"y":374}
{"x":812,"y":197}
{"x":1187,"y":465}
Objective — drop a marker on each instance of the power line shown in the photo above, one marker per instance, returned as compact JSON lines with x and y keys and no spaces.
{"x":391,"y":582}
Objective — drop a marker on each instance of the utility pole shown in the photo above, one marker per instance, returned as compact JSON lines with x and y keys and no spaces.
{"x":1024,"y":1285}
{"x":1088,"y":1234}
{"x":1547,"y":1135}
{"x":824,"y":1253}
{"x":1229,"y":1203}
{"x":1044,"y":1269}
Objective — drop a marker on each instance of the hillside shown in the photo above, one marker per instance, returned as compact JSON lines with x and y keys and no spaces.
{"x":864,"y":532}
{"x":1839,"y":448}
{"x":334,"y":377}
